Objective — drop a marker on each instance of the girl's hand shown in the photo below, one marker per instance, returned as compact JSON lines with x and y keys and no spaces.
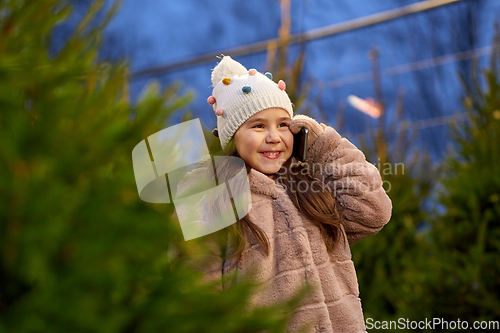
{"x":315,"y":130}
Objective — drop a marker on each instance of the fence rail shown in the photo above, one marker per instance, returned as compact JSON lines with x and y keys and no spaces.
{"x":330,"y":30}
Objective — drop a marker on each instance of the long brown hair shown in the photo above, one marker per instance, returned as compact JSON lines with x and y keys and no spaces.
{"x":307,"y":193}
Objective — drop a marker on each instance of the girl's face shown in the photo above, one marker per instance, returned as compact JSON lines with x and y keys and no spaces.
{"x":264,"y":141}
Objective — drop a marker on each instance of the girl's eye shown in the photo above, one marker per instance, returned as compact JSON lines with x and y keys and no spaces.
{"x":283,"y":125}
{"x":258,"y":126}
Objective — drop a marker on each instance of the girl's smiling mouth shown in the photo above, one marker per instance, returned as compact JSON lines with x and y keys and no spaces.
{"x":271,"y":154}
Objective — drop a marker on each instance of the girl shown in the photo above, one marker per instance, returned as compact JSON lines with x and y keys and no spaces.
{"x":304,"y":215}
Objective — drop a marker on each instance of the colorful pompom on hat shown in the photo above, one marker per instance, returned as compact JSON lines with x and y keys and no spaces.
{"x":240,"y":93}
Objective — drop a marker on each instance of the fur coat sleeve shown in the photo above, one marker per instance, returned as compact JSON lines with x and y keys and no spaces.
{"x":362,"y":203}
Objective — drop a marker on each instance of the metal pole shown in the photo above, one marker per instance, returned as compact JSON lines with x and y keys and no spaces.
{"x":306,"y":36}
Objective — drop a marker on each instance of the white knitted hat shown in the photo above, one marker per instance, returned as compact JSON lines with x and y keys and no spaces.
{"x":240,"y":93}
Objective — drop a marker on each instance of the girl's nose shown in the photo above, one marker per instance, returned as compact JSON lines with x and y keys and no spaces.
{"x":273,"y":136}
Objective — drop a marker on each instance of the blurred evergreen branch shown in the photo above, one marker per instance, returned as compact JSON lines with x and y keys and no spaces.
{"x":79,"y":251}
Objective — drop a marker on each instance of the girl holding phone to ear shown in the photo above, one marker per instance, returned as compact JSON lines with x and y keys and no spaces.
{"x":304,"y":214}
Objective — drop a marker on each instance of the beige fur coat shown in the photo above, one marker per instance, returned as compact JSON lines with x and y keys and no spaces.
{"x":298,"y":254}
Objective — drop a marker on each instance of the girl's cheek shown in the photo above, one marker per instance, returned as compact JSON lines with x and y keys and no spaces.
{"x":288,"y":138}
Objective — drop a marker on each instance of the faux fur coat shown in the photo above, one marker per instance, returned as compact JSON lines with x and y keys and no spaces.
{"x":297,"y":253}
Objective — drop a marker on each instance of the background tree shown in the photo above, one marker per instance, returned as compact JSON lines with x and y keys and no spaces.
{"x":79,"y":251}
{"x":386,"y":263}
{"x":466,"y":234}
{"x":440,"y":260}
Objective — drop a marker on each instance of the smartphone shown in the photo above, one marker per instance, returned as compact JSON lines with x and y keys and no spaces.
{"x":300,"y":144}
